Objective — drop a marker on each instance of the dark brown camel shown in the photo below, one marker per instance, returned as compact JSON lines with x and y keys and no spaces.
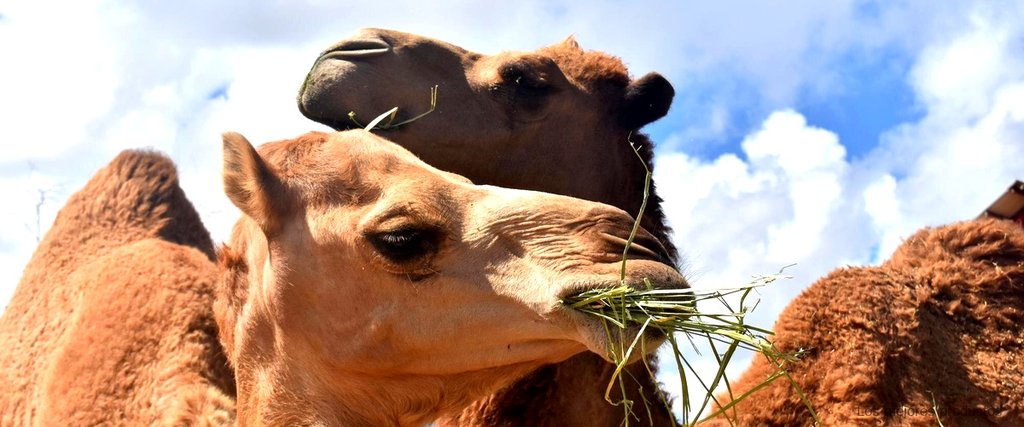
{"x":559,"y":119}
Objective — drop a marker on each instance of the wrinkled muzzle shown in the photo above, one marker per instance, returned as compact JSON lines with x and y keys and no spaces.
{"x":645,"y":265}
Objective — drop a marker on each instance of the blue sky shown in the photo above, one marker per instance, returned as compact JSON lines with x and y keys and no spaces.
{"x":808,"y":132}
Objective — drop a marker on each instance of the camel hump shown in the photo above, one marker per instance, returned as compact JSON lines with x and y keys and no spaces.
{"x":989,"y":242}
{"x":137,"y":195}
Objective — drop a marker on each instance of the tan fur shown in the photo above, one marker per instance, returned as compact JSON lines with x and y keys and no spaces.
{"x":939,"y":322}
{"x":111,"y":322}
{"x":570,"y":138}
{"x":324,"y":326}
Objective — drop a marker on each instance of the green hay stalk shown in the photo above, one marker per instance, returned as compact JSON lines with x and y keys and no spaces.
{"x":674,"y":311}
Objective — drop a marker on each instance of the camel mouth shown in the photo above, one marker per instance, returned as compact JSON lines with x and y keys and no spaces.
{"x":601,"y":336}
{"x":357,"y":49}
{"x":606,"y":340}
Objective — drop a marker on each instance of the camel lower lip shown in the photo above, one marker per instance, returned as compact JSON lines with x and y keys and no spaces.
{"x":623,"y":339}
{"x":601,"y":337}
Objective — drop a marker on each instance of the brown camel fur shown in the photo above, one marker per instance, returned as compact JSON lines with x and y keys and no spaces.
{"x":363,"y":287}
{"x":112,"y":322}
{"x":937,"y":326}
{"x":558,"y":120}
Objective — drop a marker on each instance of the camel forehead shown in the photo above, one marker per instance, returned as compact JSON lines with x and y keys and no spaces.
{"x":584,"y":66}
{"x":399,"y":38}
{"x":321,"y":152}
{"x":365,"y":148}
{"x":353,"y":162}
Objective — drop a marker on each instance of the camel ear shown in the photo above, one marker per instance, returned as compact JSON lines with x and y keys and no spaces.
{"x":570,"y":42}
{"x":647,"y":99}
{"x":250,"y":183}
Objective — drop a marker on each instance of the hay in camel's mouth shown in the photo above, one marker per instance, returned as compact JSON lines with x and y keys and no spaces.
{"x":675,"y":313}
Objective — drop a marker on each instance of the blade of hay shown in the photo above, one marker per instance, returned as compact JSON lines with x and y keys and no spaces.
{"x":661,"y":396}
{"x":625,"y":357}
{"x":682,"y":378}
{"x":433,"y":105}
{"x":935,"y":410}
{"x":373,"y":123}
{"x":723,"y":361}
{"x":640,"y":214}
{"x":799,"y":392}
{"x":736,"y":401}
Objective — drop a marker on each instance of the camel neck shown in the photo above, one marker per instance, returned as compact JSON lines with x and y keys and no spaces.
{"x":284,"y":401}
{"x":281,"y":395}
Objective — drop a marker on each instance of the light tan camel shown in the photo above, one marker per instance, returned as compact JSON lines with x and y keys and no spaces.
{"x":932,"y":335}
{"x":111,"y":323}
{"x":558,"y":120}
{"x":363,"y":287}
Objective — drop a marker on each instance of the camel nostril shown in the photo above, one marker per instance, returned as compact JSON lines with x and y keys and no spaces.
{"x":357,"y":48}
{"x":652,"y":245}
{"x":643,"y":245}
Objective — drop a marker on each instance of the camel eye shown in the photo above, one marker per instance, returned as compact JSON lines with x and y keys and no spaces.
{"x":405,"y":245}
{"x":524,"y":82}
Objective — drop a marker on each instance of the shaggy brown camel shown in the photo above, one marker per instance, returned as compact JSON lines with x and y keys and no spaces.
{"x":933,"y":334}
{"x":112,"y":322}
{"x":558,"y":120}
{"x":363,"y":287}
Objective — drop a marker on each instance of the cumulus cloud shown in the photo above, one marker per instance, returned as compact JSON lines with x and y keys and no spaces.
{"x":52,"y":78}
{"x":736,"y":217}
{"x":959,"y":157}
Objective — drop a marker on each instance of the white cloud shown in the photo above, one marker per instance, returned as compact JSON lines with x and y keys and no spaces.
{"x":27,"y":212}
{"x":260,"y":104}
{"x":958,"y":80}
{"x":961,"y":155}
{"x":52,"y":78}
{"x":809,"y":163}
{"x":740,"y":218}
{"x":883,"y":207}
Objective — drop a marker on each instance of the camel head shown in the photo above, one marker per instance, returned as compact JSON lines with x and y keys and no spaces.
{"x":362,"y":286}
{"x":556,"y":119}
